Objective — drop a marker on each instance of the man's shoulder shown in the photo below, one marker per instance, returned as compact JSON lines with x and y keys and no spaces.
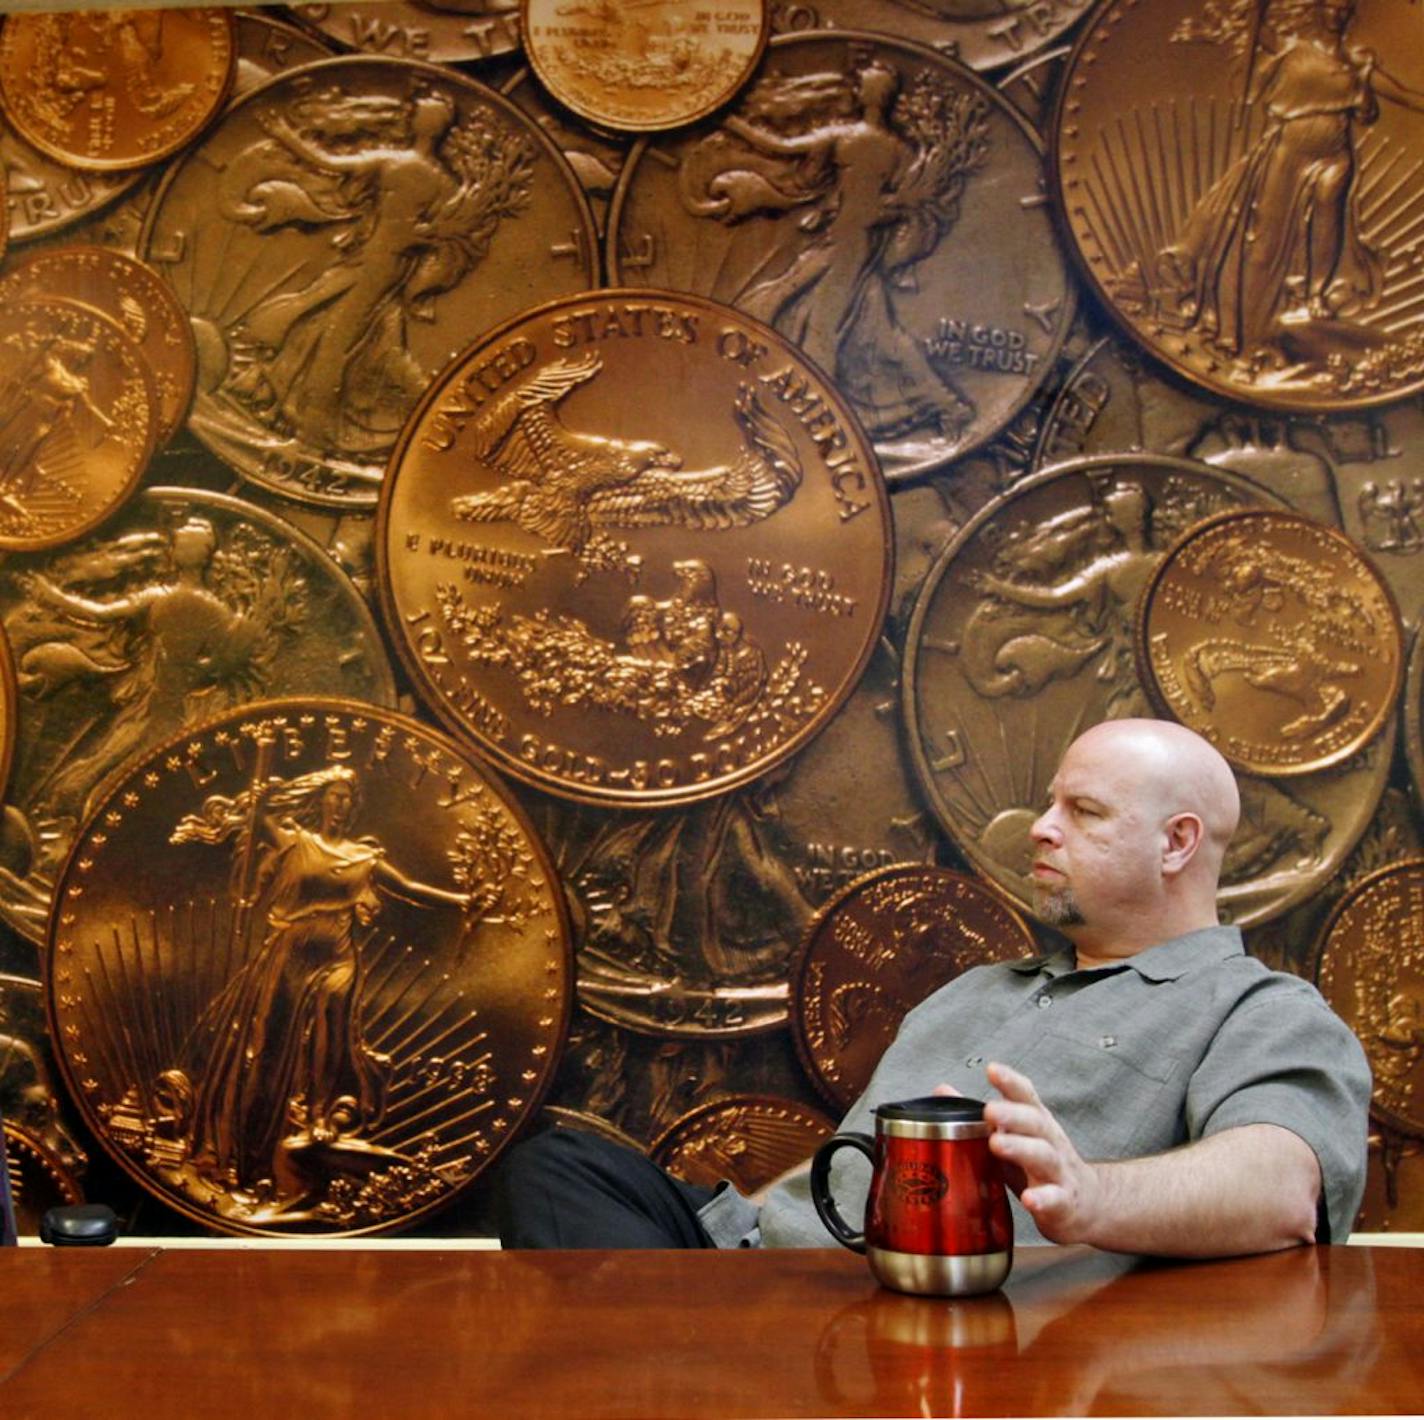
{"x":1252,"y":994}
{"x":979,"y":983}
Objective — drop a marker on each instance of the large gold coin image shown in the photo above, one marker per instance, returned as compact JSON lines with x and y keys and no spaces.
{"x":1275,"y":638}
{"x":341,"y":233}
{"x":1370,"y":968}
{"x":308,"y":970}
{"x":635,"y":548}
{"x":115,"y":88}
{"x":641,"y":72}
{"x":1241,"y":184}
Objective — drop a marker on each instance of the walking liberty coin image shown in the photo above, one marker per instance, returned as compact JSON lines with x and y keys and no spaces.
{"x":879,"y":948}
{"x":1370,"y":968}
{"x":439,"y":31}
{"x":1023,"y":636}
{"x":883,"y":208}
{"x":43,"y":195}
{"x":308,"y":970}
{"x":112,"y":89}
{"x":78,"y":419}
{"x":185,"y":605}
{"x":30,"y":1096}
{"x":339,"y":235}
{"x":643,"y":68}
{"x":616,"y":593}
{"x":1240,"y":184}
{"x":1275,"y":638}
{"x":690,"y":915}
{"x":984,"y":34}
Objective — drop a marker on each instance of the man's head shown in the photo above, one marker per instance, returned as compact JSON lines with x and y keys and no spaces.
{"x":1129,"y":849}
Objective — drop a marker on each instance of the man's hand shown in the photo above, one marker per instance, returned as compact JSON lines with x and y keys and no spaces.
{"x":1252,"y":1188}
{"x":1052,"y":1181}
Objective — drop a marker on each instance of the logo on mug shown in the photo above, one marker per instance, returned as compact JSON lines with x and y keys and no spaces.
{"x":919,"y":1184}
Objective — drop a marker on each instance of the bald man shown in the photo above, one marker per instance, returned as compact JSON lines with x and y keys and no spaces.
{"x":1158,"y":1091}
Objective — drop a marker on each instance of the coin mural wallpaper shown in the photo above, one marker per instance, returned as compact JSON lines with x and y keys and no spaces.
{"x":541,"y":587}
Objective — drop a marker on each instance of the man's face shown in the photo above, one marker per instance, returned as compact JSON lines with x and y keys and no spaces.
{"x":1098,"y":844}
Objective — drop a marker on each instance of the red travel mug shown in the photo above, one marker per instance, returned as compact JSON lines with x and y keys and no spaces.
{"x":937,"y":1220}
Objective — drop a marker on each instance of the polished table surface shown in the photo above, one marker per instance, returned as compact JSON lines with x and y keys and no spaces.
{"x":374,"y":1333}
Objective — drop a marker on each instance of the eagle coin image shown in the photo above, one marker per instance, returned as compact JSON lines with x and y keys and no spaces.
{"x":634,"y":547}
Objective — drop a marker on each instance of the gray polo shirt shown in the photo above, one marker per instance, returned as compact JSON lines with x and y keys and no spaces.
{"x":1174,"y":1044}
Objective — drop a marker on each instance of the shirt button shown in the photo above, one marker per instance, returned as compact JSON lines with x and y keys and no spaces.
{"x":1044,"y":1001}
{"x":974,"y":1060}
{"x":1108,"y":1041}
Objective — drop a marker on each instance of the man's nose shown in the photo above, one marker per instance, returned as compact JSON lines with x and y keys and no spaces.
{"x":1045,"y":828}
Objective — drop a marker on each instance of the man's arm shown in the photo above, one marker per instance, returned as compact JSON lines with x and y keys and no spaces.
{"x":1253,"y":1188}
{"x":785,"y":1176}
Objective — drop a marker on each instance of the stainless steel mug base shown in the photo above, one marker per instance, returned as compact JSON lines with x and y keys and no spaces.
{"x":939,"y":1276}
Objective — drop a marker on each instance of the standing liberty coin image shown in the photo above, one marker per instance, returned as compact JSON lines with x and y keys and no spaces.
{"x":308,"y":970}
{"x":615,"y":592}
{"x":1240,"y":184}
{"x":78,"y":420}
{"x":1024,"y":634}
{"x":134,"y":297}
{"x":339,"y":235}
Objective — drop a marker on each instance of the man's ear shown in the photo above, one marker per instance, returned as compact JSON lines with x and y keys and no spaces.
{"x":1182,"y":837}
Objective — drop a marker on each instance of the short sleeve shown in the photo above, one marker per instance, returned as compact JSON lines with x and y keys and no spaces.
{"x":1284,"y":1057}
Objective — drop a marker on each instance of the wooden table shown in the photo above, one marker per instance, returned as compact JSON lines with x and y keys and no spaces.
{"x":301,"y":1335}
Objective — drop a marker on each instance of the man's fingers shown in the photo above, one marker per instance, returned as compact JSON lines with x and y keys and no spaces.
{"x":1036,"y":1157}
{"x":946,"y":1090}
{"x":1019,"y":1118}
{"x":1045,"y":1201}
{"x":1011,"y":1084}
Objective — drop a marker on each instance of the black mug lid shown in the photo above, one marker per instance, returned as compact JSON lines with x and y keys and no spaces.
{"x":934,"y":1109}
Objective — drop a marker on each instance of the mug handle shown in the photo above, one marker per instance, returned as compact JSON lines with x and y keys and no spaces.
{"x":821,"y":1186}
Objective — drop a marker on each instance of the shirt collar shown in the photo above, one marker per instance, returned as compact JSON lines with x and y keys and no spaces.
{"x":1164,"y":962}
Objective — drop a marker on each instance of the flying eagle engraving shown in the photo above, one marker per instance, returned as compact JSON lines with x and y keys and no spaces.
{"x":567,"y":487}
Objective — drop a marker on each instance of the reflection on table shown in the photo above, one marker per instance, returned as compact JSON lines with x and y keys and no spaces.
{"x":791,"y":1333}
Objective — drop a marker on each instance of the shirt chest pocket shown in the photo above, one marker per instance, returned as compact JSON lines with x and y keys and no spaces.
{"x":1115,"y":1097}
